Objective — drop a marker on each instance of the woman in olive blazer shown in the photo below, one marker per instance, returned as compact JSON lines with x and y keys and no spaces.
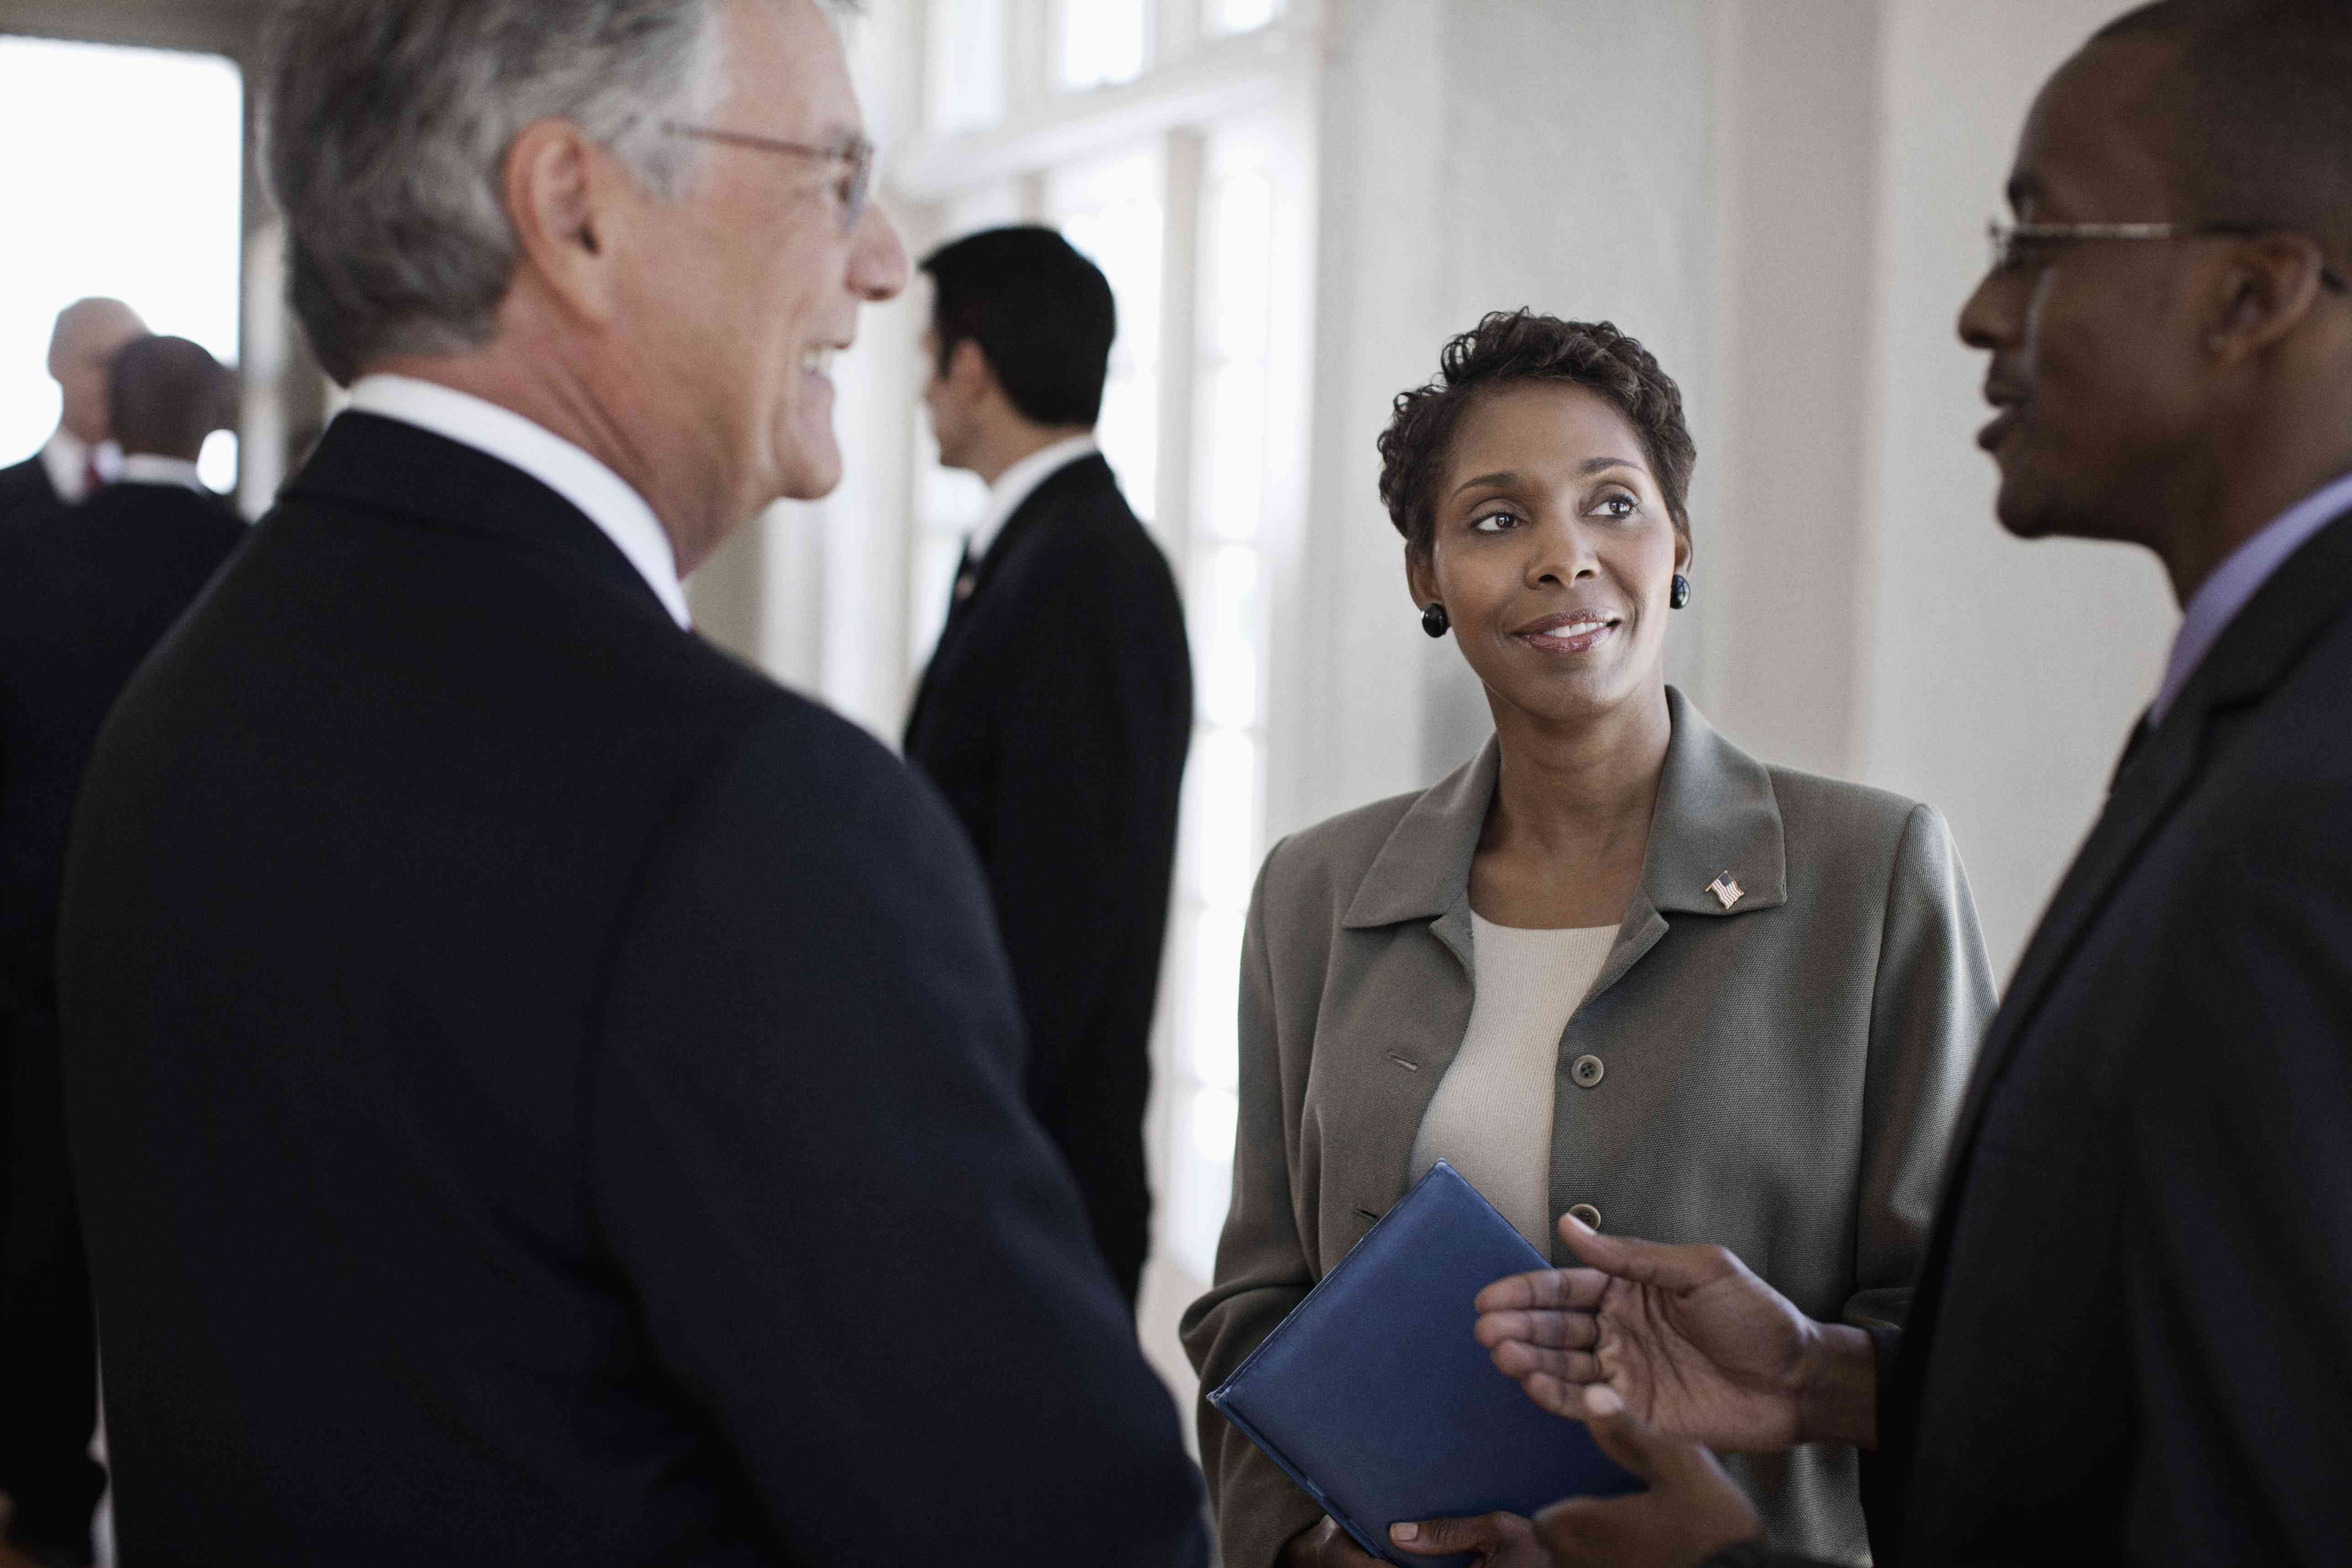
{"x":1769,"y":1057}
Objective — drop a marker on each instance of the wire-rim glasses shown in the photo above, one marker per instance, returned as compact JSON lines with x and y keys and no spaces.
{"x":857,"y":174}
{"x":2013,"y":245}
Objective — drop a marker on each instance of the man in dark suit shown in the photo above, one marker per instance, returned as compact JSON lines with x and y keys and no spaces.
{"x":84,"y":593}
{"x":542,"y":1093}
{"x":1059,"y":705}
{"x":76,"y":458}
{"x":2132,"y":1338}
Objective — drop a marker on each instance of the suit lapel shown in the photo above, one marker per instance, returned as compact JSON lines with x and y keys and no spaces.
{"x":1061,"y":490}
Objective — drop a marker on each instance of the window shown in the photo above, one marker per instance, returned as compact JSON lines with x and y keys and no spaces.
{"x":967,"y":64}
{"x":1197,"y":216}
{"x":1099,"y":43}
{"x":129,"y":165}
{"x":1241,"y":15}
{"x":1243,"y":254}
{"x":1111,"y":208}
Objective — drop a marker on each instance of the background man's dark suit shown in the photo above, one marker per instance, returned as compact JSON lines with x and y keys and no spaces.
{"x":2132,"y":1334}
{"x":26,"y":492}
{"x":542,"y":1094}
{"x":84,"y":594}
{"x":1055,"y":715}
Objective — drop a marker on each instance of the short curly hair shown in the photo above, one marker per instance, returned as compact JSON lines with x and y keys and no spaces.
{"x":1514,"y":347}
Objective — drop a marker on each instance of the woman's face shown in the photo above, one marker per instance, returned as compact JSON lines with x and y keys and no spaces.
{"x":1553,"y":552}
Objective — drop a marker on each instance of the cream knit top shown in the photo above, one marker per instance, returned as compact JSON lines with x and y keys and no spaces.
{"x":1491,"y":1116}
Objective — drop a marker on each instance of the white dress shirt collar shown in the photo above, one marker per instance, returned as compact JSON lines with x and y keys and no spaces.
{"x":2237,"y":580}
{"x":149,"y":469}
{"x":1019,"y":482}
{"x":571,"y":473}
{"x":68,"y":459}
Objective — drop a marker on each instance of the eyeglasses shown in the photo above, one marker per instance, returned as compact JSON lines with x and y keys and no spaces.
{"x":857,"y":159}
{"x":2018,"y":246}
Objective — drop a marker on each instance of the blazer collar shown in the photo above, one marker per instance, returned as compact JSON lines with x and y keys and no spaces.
{"x":401,"y":469}
{"x":1717,"y":817}
{"x":1055,"y":494}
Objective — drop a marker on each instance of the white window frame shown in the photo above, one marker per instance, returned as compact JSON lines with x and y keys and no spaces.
{"x":1194,"y":86}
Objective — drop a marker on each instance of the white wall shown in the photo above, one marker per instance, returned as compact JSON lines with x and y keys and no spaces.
{"x":1785,"y":200}
{"x":2001,"y":677}
{"x":1475,"y":155}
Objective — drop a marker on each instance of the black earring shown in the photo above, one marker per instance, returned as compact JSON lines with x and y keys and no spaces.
{"x":1433,"y":619}
{"x":1679,"y":594}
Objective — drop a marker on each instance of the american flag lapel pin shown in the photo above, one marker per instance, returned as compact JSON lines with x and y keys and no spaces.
{"x":1726,"y":891}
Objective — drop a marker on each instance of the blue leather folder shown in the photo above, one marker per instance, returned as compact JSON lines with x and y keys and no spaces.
{"x":1374,"y":1396}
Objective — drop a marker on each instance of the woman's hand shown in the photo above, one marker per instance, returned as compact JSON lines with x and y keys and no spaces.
{"x":1691,"y":1511}
{"x":1326,"y":1545}
{"x":1501,"y":1540}
{"x":1692,"y":1342}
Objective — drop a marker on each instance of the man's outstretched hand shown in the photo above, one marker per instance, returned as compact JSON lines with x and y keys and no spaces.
{"x":1690,"y":1511}
{"x":1692,"y":1342}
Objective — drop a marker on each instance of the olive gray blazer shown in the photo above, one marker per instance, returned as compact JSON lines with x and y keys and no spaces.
{"x":1781,"y":1075}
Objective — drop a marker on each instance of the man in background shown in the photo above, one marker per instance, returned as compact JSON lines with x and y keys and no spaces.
{"x":542,"y":1093}
{"x":1059,"y":705}
{"x":80,"y":456}
{"x":84,"y":593}
{"x":2132,"y":1337}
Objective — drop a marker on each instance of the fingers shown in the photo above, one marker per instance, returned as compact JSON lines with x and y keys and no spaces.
{"x":1621,"y":1435}
{"x":1643,"y":1262}
{"x":1519,"y":1360}
{"x":1691,"y":1511}
{"x":1545,"y":1330}
{"x":1561,"y":1395}
{"x":1548,"y":1289}
{"x":1439,"y":1537}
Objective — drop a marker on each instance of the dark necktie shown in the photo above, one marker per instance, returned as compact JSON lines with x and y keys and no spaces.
{"x":967,"y":576}
{"x":93,"y":481}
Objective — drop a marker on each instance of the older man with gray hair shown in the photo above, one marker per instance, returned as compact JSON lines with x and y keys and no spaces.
{"x":541,"y":1093}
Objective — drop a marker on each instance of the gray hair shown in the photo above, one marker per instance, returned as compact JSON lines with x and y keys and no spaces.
{"x":387,"y":128}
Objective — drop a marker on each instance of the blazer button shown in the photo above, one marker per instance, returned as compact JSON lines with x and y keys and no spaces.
{"x":1585,"y":1215}
{"x":1587,"y":1071}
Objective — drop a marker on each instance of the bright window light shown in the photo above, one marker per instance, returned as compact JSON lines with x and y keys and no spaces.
{"x":1102,"y":42}
{"x":967,"y":64}
{"x":124,"y":177}
{"x":1241,"y":15}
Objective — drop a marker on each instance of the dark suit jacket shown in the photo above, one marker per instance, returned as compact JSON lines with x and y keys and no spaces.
{"x":26,"y":492}
{"x":2132,"y":1338}
{"x":543,"y":1094}
{"x":1055,"y":715}
{"x":84,"y":593}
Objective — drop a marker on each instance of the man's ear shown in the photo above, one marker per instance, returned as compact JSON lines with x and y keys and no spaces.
{"x":968,"y":371}
{"x":560,"y":189}
{"x":2267,"y":290}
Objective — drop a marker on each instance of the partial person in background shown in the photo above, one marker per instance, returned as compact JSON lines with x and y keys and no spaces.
{"x":84,"y":593}
{"x":1057,"y":707}
{"x":1612,"y":966}
{"x":543,"y":1093}
{"x":2132,"y":1337}
{"x":81,"y":455}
